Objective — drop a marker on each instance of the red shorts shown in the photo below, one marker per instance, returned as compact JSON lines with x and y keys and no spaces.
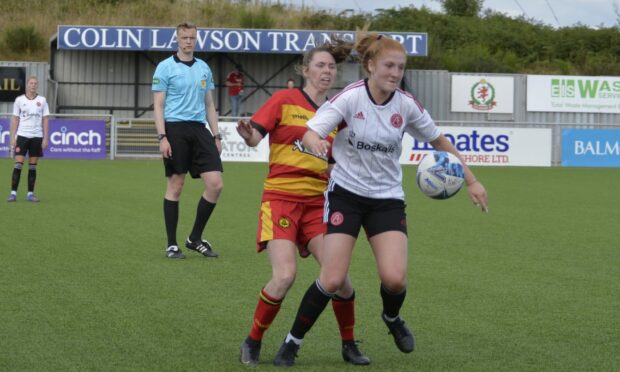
{"x":293,"y":221}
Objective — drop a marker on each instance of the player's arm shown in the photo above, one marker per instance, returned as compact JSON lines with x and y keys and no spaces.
{"x":212,"y":119}
{"x":250,"y":135}
{"x":13,"y":130}
{"x":159,"y":99}
{"x":45,"y":122}
{"x":477,"y":192}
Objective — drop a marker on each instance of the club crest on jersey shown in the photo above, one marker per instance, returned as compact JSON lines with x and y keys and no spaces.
{"x":336,"y":219}
{"x":284,"y":222}
{"x":38,"y":103}
{"x":299,"y":146}
{"x":396,"y":120}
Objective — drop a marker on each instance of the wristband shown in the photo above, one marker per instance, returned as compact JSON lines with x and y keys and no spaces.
{"x":161,"y":137}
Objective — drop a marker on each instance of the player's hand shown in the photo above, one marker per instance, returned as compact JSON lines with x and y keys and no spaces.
{"x":320,"y":148}
{"x":478,"y":194}
{"x":44,"y":144}
{"x":218,"y":144}
{"x":164,"y":148}
{"x":244,"y":128}
{"x":13,"y":142}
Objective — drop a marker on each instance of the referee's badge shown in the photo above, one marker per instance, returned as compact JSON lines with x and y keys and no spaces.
{"x":203,"y":83}
{"x":284,"y":222}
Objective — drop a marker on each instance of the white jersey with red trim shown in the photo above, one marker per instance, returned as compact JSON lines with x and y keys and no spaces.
{"x":30,"y":113}
{"x":368,"y":145}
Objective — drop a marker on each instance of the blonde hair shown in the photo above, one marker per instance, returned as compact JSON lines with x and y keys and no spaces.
{"x":371,"y":44}
{"x":186,"y":25}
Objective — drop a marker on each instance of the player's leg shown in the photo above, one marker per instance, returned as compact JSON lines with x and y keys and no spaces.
{"x":20,"y":156}
{"x":390,"y":249}
{"x":343,"y":304}
{"x":283,"y":258}
{"x":15,"y":177}
{"x":35,"y":151}
{"x":277,"y":232}
{"x":334,"y":268}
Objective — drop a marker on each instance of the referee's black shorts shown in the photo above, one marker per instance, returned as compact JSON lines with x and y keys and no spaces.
{"x":346,"y":212}
{"x":193,"y":150}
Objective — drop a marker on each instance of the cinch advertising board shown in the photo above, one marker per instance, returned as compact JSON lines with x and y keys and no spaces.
{"x":489,"y":146}
{"x":597,"y":94}
{"x":479,"y":93}
{"x":591,"y":147}
{"x":68,"y":139}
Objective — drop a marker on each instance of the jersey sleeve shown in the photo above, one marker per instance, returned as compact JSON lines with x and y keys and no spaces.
{"x":420,"y":125}
{"x":210,"y":83}
{"x":16,"y":107}
{"x":46,"y":108}
{"x":160,"y":78}
{"x":327,"y":118}
{"x":269,"y":114}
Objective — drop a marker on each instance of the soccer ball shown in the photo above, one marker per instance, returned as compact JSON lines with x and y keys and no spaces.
{"x":440,"y":175}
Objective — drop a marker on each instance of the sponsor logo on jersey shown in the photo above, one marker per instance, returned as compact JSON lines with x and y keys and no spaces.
{"x":373,"y":147}
{"x":336,"y":219}
{"x":155,"y":80}
{"x":359,"y":115}
{"x":396,"y":120}
{"x":299,"y":146}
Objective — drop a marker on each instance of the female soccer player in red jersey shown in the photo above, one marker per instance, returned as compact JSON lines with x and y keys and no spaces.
{"x":291,"y":212}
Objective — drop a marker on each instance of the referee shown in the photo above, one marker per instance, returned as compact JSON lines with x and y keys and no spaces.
{"x":183,"y":106}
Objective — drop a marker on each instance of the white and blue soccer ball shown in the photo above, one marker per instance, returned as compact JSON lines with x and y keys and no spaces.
{"x":440,"y":175}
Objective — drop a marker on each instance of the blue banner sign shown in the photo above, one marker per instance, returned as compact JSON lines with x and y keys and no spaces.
{"x":217,"y":39}
{"x":591,"y":147}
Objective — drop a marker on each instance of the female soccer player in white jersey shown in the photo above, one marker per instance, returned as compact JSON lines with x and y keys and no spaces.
{"x":365,"y":187}
{"x":29,"y":130}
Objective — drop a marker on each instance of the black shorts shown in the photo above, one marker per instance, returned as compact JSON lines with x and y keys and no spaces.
{"x":32,"y":146}
{"x":346,"y":212}
{"x":193,"y":150}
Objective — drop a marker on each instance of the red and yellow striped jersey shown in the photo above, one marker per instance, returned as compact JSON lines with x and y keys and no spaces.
{"x":294,"y":173}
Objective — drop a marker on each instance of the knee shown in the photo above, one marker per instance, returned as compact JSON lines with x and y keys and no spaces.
{"x":284,"y":278}
{"x":174,"y":190}
{"x":331,"y":283}
{"x":394,"y":283}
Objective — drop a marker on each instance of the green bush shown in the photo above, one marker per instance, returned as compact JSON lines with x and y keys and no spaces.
{"x":23,"y":39}
{"x":256,"y":18}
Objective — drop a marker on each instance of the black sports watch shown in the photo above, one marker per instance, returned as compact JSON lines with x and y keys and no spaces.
{"x":161,"y":136}
{"x":218,"y":136}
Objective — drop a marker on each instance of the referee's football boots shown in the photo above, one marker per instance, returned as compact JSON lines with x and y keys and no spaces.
{"x":353,"y":355}
{"x":201,"y":246}
{"x":174,"y":252}
{"x":403,"y":338}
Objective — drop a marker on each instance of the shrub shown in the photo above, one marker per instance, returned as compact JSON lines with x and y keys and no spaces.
{"x":23,"y":39}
